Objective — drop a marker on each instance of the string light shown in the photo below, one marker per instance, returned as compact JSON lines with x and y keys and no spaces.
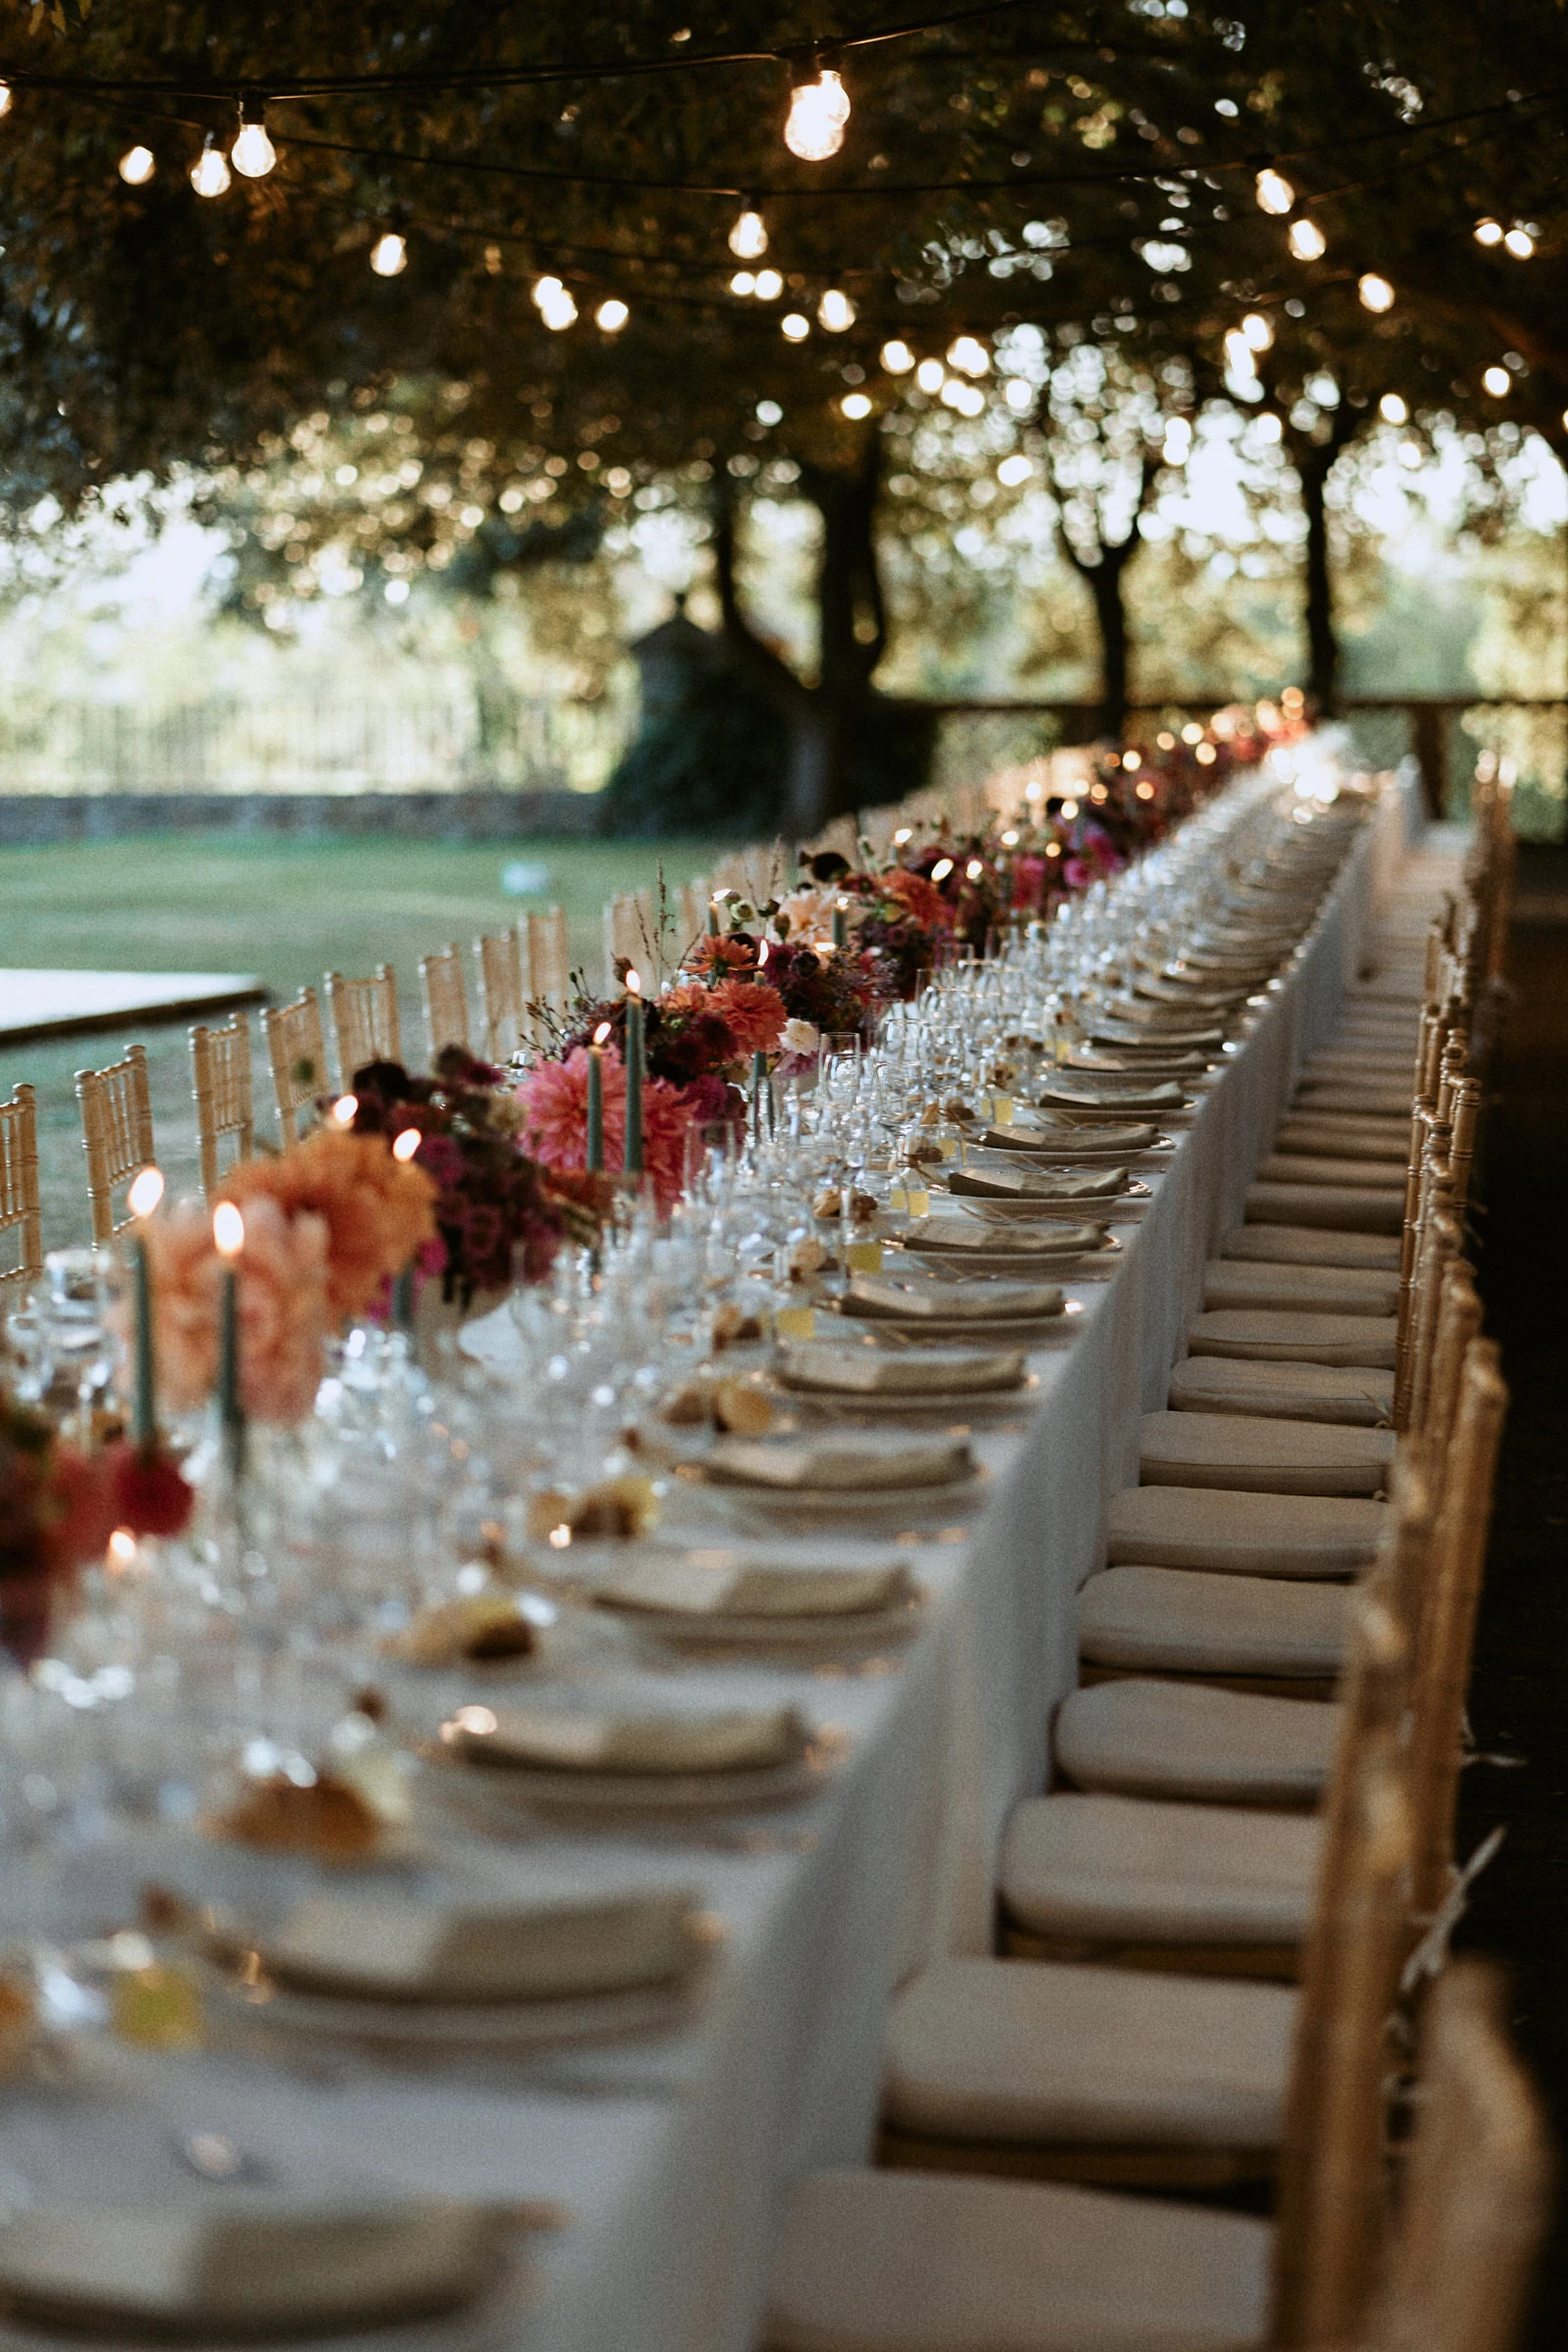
{"x":1239,"y":356}
{"x":1520,"y":243}
{"x":969,"y":356}
{"x":897,"y":357}
{"x":1274,"y":191}
{"x":5,"y":99}
{"x":793,"y":326}
{"x":1376,"y":292}
{"x":748,"y":240}
{"x":1489,"y":232}
{"x":137,"y":166}
{"x":389,"y":255}
{"x":210,"y":174}
{"x":818,"y":111}
{"x":1306,"y":241}
{"x":253,"y":154}
{"x":769,"y":285}
{"x":742,"y":282}
{"x":555,"y":303}
{"x":612,"y":315}
{"x":835,"y":312}
{"x":854,"y":406}
{"x":967,"y":399}
{"x":1258,"y":330}
{"x":1019,"y":393}
{"x":930,"y":376}
{"x":1498,"y":381}
{"x":1014,"y":470}
{"x":1392,"y":410}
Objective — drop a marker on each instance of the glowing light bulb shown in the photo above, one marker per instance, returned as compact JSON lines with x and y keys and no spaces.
{"x":229,"y":1230}
{"x":4,"y":98}
{"x":1239,"y":358}
{"x":1258,"y":330}
{"x":1489,"y":232}
{"x":1520,"y":243}
{"x":744,"y":281}
{"x":854,"y":406}
{"x":818,"y":111}
{"x":1498,"y":381}
{"x":769,"y":285}
{"x":1307,"y":241}
{"x":253,"y":154}
{"x":145,"y":1193}
{"x":210,"y":173}
{"x":389,"y":255}
{"x":611,"y":316}
{"x":555,"y":303}
{"x":897,"y":357}
{"x":930,"y":376}
{"x":1018,"y":393}
{"x":793,"y":326}
{"x":1274,"y":192}
{"x":835,"y":312}
{"x":1391,"y":408}
{"x":137,"y":166}
{"x":407,"y":1144}
{"x":748,"y":240}
{"x":1014,"y":470}
{"x":969,"y":356}
{"x":1376,"y":292}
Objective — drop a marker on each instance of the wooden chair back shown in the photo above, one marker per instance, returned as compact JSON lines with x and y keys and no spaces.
{"x":629,"y":936}
{"x":503,"y":994}
{"x":446,"y":999}
{"x":296,"y":1053}
{"x":549,"y":959}
{"x":1475,"y":2201}
{"x":19,"y":1211}
{"x":116,"y":1134}
{"x":363,"y":1014}
{"x":220,"y":1082}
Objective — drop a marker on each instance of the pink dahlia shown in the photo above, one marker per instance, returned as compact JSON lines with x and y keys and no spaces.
{"x":555,"y":1105}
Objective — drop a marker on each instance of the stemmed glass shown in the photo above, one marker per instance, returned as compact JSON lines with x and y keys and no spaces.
{"x":79,"y":1340}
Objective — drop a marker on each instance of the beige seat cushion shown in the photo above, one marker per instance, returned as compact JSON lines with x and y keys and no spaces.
{"x":1348,"y":1208}
{"x":1257,"y":1336}
{"x":1194,"y":1621}
{"x":1345,"y":1139}
{"x":1029,"y":2051}
{"x":1299,"y":1290}
{"x":1351,"y":1174}
{"x":1357,"y":1101}
{"x":921,"y":2262}
{"x":1384,"y":1064}
{"x":1243,"y":1535}
{"x":1262,"y":1455}
{"x":1217,"y":1383}
{"x":1312,"y":1245}
{"x":1143,"y":1738}
{"x":1132,"y":1869}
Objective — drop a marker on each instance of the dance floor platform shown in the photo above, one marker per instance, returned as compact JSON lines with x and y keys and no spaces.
{"x":37,"y":1004}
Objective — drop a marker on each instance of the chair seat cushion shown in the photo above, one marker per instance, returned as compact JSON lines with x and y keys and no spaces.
{"x":1348,"y":1208}
{"x":1243,"y":1535}
{"x":1134,"y":1869}
{"x":1193,"y":1620}
{"x":1040,"y":2051}
{"x":1217,"y":1383}
{"x":1265,"y":1336}
{"x":1345,"y":1139}
{"x":1351,"y":1173}
{"x":922,"y":2262}
{"x":1312,"y":1245}
{"x":1143,"y":1738}
{"x":1356,"y":1099}
{"x":1262,"y":1456}
{"x":1299,"y":1290}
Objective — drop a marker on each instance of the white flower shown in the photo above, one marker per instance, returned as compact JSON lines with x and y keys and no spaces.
{"x":801,"y":1037}
{"x":807,"y":910}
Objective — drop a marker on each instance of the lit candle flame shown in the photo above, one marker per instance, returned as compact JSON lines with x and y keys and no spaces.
{"x":761,"y":953}
{"x":407,"y":1144}
{"x":344,"y":1109}
{"x":602,"y":1032}
{"x":942,"y":869}
{"x":146,"y":1191}
{"x":229,"y":1230}
{"x":634,"y":984}
{"x":122,"y":1551}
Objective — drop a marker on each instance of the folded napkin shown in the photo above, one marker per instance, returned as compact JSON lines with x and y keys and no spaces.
{"x":1037,"y":1184}
{"x":697,"y":1589}
{"x":1067,"y":1138}
{"x":1162,"y":1094}
{"x":872,"y":1372}
{"x":260,"y":2267}
{"x":545,"y":1947}
{"x":1096,"y":1058}
{"x":552,"y":1739}
{"x":956,"y":1235}
{"x":1127,"y":1037}
{"x":838,"y":1465}
{"x":952,"y":1302}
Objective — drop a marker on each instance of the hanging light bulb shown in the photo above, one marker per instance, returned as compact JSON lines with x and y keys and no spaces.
{"x":835,"y":312}
{"x":389,"y":255}
{"x":137,"y":166}
{"x":253,"y":154}
{"x":818,"y":111}
{"x":1376,"y":292}
{"x":795,"y":326}
{"x":556,"y":306}
{"x":897,"y":356}
{"x":1498,"y":381}
{"x":5,"y":99}
{"x":1520,"y":243}
{"x":769,"y":285}
{"x":742,"y":282}
{"x":854,"y":406}
{"x":1274,"y":191}
{"x":969,"y":356}
{"x":612,"y":315}
{"x":930,"y":374}
{"x":1307,"y":241}
{"x":1258,"y":330}
{"x":1489,"y":232}
{"x":209,"y":173}
{"x":748,"y":240}
{"x":1392,"y":410}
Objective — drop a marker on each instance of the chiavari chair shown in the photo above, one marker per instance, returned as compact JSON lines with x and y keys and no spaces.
{"x":446,"y":999}
{"x":296,"y":1051}
{"x":116,"y":1134}
{"x":221,"y":1085}
{"x":363,"y":1014}
{"x":19,"y":1211}
{"x":548,"y":961}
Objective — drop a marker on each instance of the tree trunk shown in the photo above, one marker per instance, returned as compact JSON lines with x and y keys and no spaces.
{"x":1111,"y":613}
{"x":1322,"y":637}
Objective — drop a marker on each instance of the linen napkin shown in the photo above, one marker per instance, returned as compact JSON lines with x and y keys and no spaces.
{"x":695,"y":1589}
{"x":553,"y":1739}
{"x":873,"y":1296}
{"x":955,"y":1236}
{"x":260,"y":2267}
{"x":1161,"y":1094}
{"x":556,"y":1943}
{"x":1068,"y":1138}
{"x":838,"y":1465}
{"x":1130,"y":1037}
{"x":872,"y":1372}
{"x":1037,"y":1184}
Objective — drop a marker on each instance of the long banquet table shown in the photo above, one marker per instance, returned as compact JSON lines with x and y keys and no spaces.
{"x":666,"y":2154}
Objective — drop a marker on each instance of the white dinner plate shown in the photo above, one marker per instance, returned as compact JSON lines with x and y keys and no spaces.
{"x":465,"y":2024}
{"x":500,"y":1791}
{"x":851,"y":1628}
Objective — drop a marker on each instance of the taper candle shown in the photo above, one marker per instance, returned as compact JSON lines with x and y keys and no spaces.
{"x":228,"y":1239}
{"x":841,"y":924}
{"x":596,"y":1101}
{"x":634,"y":1076}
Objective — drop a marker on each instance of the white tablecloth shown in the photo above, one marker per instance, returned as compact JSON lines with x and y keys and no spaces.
{"x":670,"y":2152}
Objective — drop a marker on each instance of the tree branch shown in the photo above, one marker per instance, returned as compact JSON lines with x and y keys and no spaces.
{"x":751,"y":655}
